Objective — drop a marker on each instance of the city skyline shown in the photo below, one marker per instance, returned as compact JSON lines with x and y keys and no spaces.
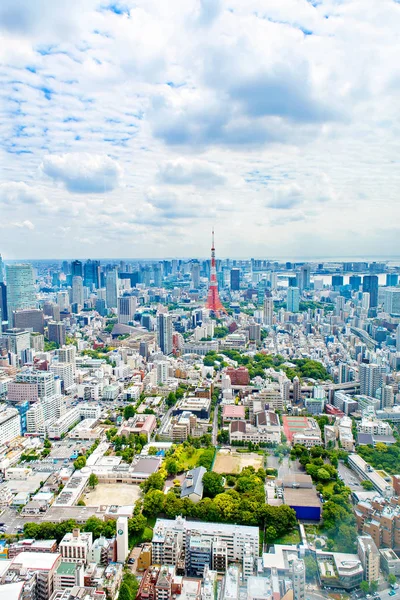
{"x":276,"y":122}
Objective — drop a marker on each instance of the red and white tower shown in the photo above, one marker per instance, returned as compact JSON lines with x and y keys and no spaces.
{"x":214,"y":303}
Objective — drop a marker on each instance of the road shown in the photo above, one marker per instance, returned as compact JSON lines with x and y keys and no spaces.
{"x":350,"y":478}
{"x":215,"y":426}
{"x":13,"y":521}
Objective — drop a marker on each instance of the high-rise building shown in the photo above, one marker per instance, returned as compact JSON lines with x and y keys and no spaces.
{"x":370,"y":284}
{"x":305,"y":278}
{"x":398,"y":338}
{"x":293,"y":299}
{"x":63,"y":300}
{"x":112,"y":289}
{"x":126,"y":309}
{"x":268,"y":314}
{"x":3,"y":303}
{"x":20,"y":288}
{"x":1,"y":270}
{"x":369,"y":556}
{"x":76,"y":269}
{"x":122,"y":539}
{"x":77,"y":291}
{"x":10,"y":425}
{"x":195,"y":275}
{"x":392,"y":279}
{"x":164,"y":333}
{"x":91,"y":273}
{"x":235,"y":280}
{"x":157,"y":275}
{"x":31,"y":318}
{"x":355,"y":282}
{"x":337,"y":281}
{"x":365,"y":302}
{"x":370,"y":379}
{"x":57,"y":332}
{"x":298,"y":572}
{"x":391,"y":301}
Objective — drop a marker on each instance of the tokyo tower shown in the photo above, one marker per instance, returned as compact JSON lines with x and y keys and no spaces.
{"x":214,"y":303}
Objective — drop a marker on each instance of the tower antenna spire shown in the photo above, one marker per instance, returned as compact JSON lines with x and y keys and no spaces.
{"x":214,"y":303}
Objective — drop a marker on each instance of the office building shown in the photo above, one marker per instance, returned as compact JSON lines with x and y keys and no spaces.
{"x":337,"y":281}
{"x":1,"y":269}
{"x":19,"y":340}
{"x":392,"y":279}
{"x":91,"y":274}
{"x":195,"y":275}
{"x":67,"y":354}
{"x":304,"y":278}
{"x":126,"y":309}
{"x":164,"y":333}
{"x":10,"y":425}
{"x":75,"y":546}
{"x":3,"y":303}
{"x":370,"y":285}
{"x":57,"y":332}
{"x":43,"y":382}
{"x":235,"y":280}
{"x":112,"y":289}
{"x":20,"y":288}
{"x":77,"y":291}
{"x":65,"y":372}
{"x":391,"y":301}
{"x":355,"y":282}
{"x":63,"y":300}
{"x":76,"y":268}
{"x":293,"y":299}
{"x":365,"y":301}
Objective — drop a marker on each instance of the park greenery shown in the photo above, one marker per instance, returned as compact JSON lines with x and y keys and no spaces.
{"x":382,"y":457}
{"x":339,"y":524}
{"x":303,"y":368}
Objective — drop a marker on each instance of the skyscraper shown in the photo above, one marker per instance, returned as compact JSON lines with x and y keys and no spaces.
{"x":355,"y":282}
{"x":391,"y":301}
{"x":392,"y":279}
{"x":214,"y":303}
{"x":91,"y":272}
{"x":235,"y":280}
{"x":305,"y":278}
{"x":126,"y":309}
{"x":268,"y":311}
{"x":112,"y":289}
{"x":3,"y":303}
{"x":57,"y":332}
{"x":196,"y":275}
{"x":164,"y":332}
{"x":20,"y":288}
{"x":76,"y":268}
{"x":293,"y":299}
{"x":1,"y":270}
{"x":365,"y":302}
{"x":370,"y":285}
{"x":77,"y":290}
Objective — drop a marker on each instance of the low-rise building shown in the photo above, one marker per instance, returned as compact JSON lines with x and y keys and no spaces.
{"x":192,"y":486}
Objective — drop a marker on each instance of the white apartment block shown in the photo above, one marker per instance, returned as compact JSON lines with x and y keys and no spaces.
{"x":239,"y":539}
{"x":90,"y":411}
{"x":75,"y":546}
{"x":43,"y":379}
{"x":64,"y":423}
{"x":10,"y":425}
{"x":35,"y":419}
{"x":374,"y":426}
{"x":65,"y":371}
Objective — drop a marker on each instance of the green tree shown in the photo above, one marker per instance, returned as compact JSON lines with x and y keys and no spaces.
{"x":153,"y":502}
{"x":311,"y":567}
{"x":171,"y":400}
{"x":154,"y":482}
{"x":373,"y":586}
{"x":31,"y":530}
{"x":364,"y":587}
{"x":137,"y":524}
{"x":367,"y":485}
{"x":129,"y":412}
{"x":323,"y":475}
{"x":152,"y":451}
{"x":392,"y":579}
{"x":80,"y":462}
{"x":212,"y":484}
{"x":124,"y":592}
{"x":270,"y":534}
{"x":93,"y":480}
{"x":172,"y":466}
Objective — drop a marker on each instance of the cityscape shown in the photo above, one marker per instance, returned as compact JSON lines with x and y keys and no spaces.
{"x":199,"y":300}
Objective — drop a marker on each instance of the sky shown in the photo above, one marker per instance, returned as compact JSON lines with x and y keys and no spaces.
{"x":131,"y":128}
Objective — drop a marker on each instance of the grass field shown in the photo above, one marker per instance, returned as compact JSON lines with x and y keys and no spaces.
{"x":291,"y":537}
{"x":234,"y":462}
{"x":191,"y":459}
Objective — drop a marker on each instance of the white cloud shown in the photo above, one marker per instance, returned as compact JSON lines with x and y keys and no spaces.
{"x":244,"y":115}
{"x":198,"y":173}
{"x":83,"y":173}
{"x":19,"y":225}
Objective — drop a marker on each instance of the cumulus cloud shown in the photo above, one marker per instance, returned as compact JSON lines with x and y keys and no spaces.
{"x":286,"y":197}
{"x":83,"y":173}
{"x":19,"y":225}
{"x":183,"y":171}
{"x":170,"y":205}
{"x":14,"y":193}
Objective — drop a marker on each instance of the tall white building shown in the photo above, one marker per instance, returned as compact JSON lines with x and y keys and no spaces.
{"x":67,"y":354}
{"x":63,"y":300}
{"x":391,"y":300}
{"x":398,"y":338}
{"x":126,"y":309}
{"x":77,"y":290}
{"x":365,"y":302}
{"x":369,"y":556}
{"x":112,"y":289}
{"x":164,"y":333}
{"x":370,"y":379}
{"x":268,"y":315}
{"x":122,"y":539}
{"x":10,"y":425}
{"x":20,"y":288}
{"x":64,"y":371}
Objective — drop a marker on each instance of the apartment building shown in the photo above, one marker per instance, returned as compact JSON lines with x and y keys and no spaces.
{"x":75,"y":546}
{"x":10,"y":425}
{"x":369,"y":556}
{"x":380,"y":518}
